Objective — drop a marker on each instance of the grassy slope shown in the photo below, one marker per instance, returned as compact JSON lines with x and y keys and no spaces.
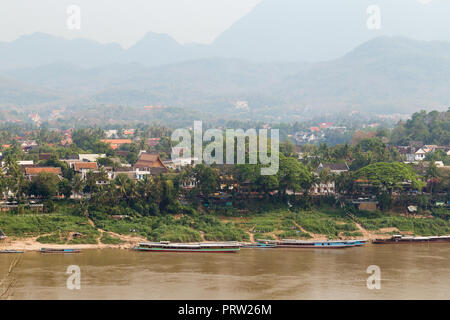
{"x":324,"y":223}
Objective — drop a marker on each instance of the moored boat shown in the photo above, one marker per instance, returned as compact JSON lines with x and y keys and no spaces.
{"x":165,"y":246}
{"x":258,"y":245}
{"x":10,"y":251}
{"x":408,"y":239}
{"x":359,"y":242}
{"x":329,"y":244}
{"x":48,"y":250}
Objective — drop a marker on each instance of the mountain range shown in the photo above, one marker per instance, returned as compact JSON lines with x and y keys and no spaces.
{"x":286,"y":59}
{"x":275,"y":30}
{"x":383,"y":75}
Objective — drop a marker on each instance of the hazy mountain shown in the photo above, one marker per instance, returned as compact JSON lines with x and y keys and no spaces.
{"x":75,"y":80}
{"x":275,"y":30}
{"x":13,"y":92}
{"x":293,"y":30}
{"x":384,"y":75}
{"x":40,"y":49}
{"x":208,"y":84}
{"x":159,"y":49}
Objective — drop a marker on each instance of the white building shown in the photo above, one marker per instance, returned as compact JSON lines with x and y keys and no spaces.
{"x":90,"y":157}
{"x":420,"y":155}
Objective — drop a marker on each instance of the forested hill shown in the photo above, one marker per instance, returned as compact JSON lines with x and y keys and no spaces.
{"x":428,"y":128}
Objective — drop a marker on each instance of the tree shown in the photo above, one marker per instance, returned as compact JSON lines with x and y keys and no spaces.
{"x":438,"y":155}
{"x":345,"y":183}
{"x":105,"y":162}
{"x":121,"y":182}
{"x":207,"y":179}
{"x":65,"y":188}
{"x":389,"y":176}
{"x":88,"y":139}
{"x":288,"y":148}
{"x":77,"y":185}
{"x":432,"y":176}
{"x":292,"y":175}
{"x":3,"y":184}
{"x":44,"y":185}
{"x":429,"y":128}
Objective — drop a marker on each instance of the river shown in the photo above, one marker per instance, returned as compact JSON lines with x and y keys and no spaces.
{"x":408,"y":271}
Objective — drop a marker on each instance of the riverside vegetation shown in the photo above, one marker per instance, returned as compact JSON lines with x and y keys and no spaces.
{"x":326,"y":222}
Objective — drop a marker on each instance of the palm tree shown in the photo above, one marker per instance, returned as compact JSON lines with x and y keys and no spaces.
{"x":77,"y":185}
{"x":121,"y":183}
{"x":324,"y":177}
{"x":432,"y":176}
{"x":145,"y":188}
{"x":315,"y":181}
{"x":3,"y":184}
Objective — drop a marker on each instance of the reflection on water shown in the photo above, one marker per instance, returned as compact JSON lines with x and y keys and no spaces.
{"x":418,"y":271}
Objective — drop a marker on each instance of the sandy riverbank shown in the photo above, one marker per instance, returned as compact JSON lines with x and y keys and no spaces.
{"x":128,"y":242}
{"x":31,"y":244}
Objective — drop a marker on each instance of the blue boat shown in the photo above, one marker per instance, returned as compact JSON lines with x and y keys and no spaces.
{"x":328,"y":244}
{"x":47,"y":250}
{"x":361,"y":242}
{"x":261,"y":244}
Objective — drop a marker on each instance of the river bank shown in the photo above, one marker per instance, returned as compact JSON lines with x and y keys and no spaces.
{"x":30,"y":232}
{"x":31,"y":244}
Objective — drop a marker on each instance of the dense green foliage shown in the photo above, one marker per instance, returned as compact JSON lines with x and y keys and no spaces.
{"x":389,"y":176}
{"x":429,"y":128}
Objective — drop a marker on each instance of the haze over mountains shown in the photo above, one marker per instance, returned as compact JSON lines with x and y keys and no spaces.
{"x":276,"y":30}
{"x":270,"y":58}
{"x":384,"y":75}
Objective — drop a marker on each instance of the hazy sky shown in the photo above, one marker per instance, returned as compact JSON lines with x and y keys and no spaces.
{"x":123,"y":21}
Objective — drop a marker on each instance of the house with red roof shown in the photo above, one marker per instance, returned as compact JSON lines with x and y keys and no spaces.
{"x":83,"y":168}
{"x":31,"y":172}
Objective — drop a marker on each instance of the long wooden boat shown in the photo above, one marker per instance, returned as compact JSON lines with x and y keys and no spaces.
{"x":329,"y":244}
{"x":165,"y":246}
{"x":258,"y":245}
{"x":11,"y":251}
{"x":402,"y":239}
{"x":360,"y":242}
{"x":48,"y":250}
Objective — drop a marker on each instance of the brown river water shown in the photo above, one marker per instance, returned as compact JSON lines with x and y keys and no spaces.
{"x":408,"y":271}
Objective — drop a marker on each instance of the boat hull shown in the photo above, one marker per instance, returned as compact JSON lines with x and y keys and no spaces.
{"x":297,"y":244}
{"x":257,"y":247}
{"x":60,"y":251}
{"x":10,"y":251}
{"x":314,"y":246}
{"x":407,"y":242}
{"x":399,"y":240}
{"x":186,"y":250}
